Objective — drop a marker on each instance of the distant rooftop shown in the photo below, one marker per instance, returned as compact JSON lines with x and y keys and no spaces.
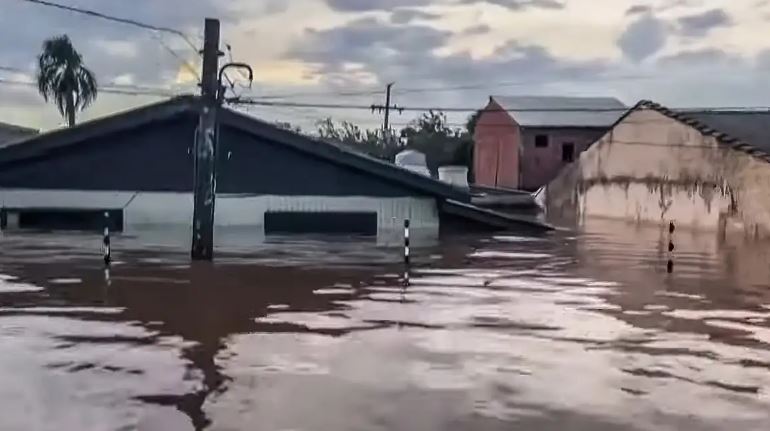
{"x":558,"y":111}
{"x":751,"y":127}
{"x":12,"y":133}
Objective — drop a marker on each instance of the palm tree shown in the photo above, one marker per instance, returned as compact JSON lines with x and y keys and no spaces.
{"x":63,"y":78}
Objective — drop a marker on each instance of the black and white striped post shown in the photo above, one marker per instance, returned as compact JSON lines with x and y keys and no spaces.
{"x":106,"y":249}
{"x":670,"y":264}
{"x":406,"y":252}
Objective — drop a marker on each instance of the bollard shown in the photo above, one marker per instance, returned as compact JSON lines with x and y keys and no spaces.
{"x":670,"y":264}
{"x":406,"y":252}
{"x":106,"y":240}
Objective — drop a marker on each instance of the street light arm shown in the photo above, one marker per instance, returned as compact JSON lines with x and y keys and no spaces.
{"x":234,"y":65}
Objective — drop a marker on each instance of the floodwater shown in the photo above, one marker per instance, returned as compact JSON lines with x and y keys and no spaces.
{"x":570,"y":331}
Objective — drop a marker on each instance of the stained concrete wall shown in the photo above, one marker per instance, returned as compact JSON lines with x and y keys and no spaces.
{"x":653,"y":169}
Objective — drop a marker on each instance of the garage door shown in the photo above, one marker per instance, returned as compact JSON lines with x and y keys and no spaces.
{"x":358,"y":223}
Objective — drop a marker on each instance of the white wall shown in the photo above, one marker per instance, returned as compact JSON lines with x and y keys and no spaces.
{"x":153,"y":211}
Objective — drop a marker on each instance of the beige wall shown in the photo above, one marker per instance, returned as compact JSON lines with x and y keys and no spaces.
{"x":653,"y":169}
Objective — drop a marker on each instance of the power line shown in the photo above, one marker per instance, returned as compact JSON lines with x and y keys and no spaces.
{"x":128,"y":21}
{"x":190,"y":68}
{"x":12,"y":69}
{"x":413,"y":109}
{"x":483,"y":85}
{"x":127,"y":90}
{"x":372,"y":92}
{"x":474,"y":86}
{"x":101,"y":85}
{"x":462,"y":109}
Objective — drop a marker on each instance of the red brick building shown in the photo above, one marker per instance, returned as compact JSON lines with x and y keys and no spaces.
{"x":523,"y":142}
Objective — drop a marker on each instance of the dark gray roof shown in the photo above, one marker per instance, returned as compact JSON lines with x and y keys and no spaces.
{"x":745,"y":131}
{"x":12,"y":133}
{"x":45,"y":143}
{"x":751,"y":127}
{"x":553,"y":111}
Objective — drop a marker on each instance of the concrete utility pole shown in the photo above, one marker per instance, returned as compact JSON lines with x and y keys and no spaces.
{"x":205,"y":147}
{"x":386,"y":108}
{"x":386,"y":125}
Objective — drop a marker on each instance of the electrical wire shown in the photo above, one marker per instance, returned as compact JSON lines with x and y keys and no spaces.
{"x":260,"y":102}
{"x":108,"y":84}
{"x":12,"y":69}
{"x":475,"y":86}
{"x":127,"y":90}
{"x":484,"y":85}
{"x":323,"y":93}
{"x":190,"y":68}
{"x":127,"y":21}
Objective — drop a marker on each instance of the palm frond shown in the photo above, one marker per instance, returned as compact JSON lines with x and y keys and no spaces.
{"x":63,"y":78}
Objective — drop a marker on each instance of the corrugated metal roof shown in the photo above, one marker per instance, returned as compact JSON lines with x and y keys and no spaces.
{"x":554,"y":111}
{"x":12,"y":133}
{"x":751,"y":127}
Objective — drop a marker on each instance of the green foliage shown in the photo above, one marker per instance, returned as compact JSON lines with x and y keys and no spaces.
{"x":367,"y":141}
{"x":470,"y":124}
{"x":63,"y":78}
{"x":429,"y":134}
{"x":441,"y":144}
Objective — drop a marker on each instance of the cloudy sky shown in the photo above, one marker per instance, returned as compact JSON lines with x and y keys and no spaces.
{"x":444,"y":53}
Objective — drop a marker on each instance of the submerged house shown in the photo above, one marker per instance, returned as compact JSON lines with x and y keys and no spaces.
{"x":10,"y":133}
{"x":522,"y":142}
{"x":706,"y":170}
{"x":138,"y":167}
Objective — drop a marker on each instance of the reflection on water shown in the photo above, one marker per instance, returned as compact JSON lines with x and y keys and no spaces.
{"x":581,"y":331}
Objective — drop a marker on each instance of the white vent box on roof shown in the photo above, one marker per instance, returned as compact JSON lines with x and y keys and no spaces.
{"x":454,"y":175}
{"x":413,"y":161}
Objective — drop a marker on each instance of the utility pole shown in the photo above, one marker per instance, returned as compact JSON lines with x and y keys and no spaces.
{"x":386,"y":108}
{"x":204,"y":182}
{"x":386,"y":125}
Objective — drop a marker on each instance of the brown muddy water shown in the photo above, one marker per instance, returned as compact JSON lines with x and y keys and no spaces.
{"x":571,"y":331}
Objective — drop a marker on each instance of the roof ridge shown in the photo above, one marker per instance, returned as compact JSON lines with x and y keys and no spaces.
{"x":119,"y":119}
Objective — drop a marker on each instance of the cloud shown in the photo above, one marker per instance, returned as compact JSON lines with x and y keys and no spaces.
{"x":638,"y":9}
{"x":678,"y":4}
{"x":700,"y":57}
{"x":643,"y":38}
{"x":406,"y":15}
{"x":20,"y":96}
{"x":118,"y":47}
{"x":365,"y":39}
{"x":522,"y":4}
{"x":477,"y":30}
{"x":373,"y":5}
{"x":699,"y":25}
{"x":411,"y":52}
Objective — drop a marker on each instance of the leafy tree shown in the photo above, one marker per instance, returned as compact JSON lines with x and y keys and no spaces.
{"x":441,"y":144}
{"x":470,"y":124}
{"x":364,"y":140}
{"x":429,"y":134}
{"x":63,"y":77}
